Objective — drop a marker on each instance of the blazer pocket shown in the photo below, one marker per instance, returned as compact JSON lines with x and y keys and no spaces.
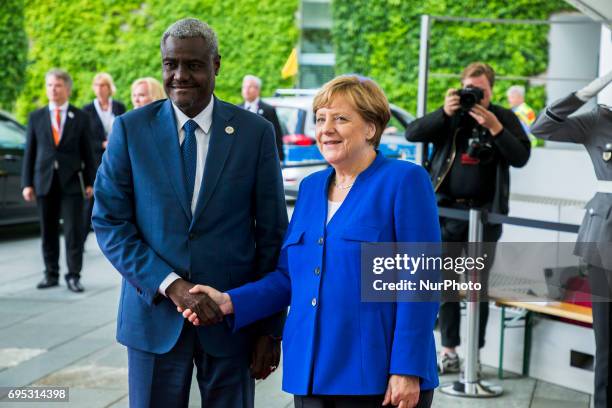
{"x":361,"y":233}
{"x":238,"y":174}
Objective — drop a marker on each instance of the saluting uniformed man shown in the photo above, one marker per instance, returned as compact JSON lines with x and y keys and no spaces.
{"x":592,"y":129}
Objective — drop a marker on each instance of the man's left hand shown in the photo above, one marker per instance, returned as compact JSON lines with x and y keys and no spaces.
{"x":266,"y":357}
{"x":486,"y":119}
{"x":89,"y":192}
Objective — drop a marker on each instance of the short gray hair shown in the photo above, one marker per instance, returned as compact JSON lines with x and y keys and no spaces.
{"x":252,"y":78}
{"x":516,"y":89}
{"x":60,"y":74}
{"x":192,"y":28}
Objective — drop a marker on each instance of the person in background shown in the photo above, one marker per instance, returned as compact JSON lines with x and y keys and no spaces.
{"x":475,"y":143}
{"x":341,"y":351}
{"x":102,"y":112}
{"x":526,"y":115}
{"x":593,"y":130}
{"x":251,"y":90}
{"x":58,"y":172}
{"x":146,"y":90}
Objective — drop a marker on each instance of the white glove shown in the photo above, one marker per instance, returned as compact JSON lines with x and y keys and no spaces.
{"x":594,"y":87}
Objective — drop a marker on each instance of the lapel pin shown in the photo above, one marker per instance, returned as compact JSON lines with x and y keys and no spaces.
{"x":70,"y":114}
{"x":229,"y":130}
{"x":607,"y":156}
{"x":260,"y":111}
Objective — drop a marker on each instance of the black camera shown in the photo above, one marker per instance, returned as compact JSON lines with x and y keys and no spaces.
{"x":480,"y":146}
{"x":469,"y":96}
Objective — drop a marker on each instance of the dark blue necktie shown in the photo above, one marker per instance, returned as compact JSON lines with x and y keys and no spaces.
{"x":189,"y":150}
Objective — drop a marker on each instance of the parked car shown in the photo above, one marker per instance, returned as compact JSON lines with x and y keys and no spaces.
{"x":13,"y":208}
{"x":294,"y":110}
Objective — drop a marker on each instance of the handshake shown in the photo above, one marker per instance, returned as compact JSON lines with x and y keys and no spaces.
{"x":201,"y":305}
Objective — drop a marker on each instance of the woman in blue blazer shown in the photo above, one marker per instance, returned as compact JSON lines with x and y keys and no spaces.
{"x":340,"y":351}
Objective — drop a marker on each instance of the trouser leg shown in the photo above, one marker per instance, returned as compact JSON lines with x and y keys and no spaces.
{"x":162,"y":380}
{"x":87,"y":211}
{"x":224,"y":382}
{"x":72,"y":214}
{"x":354,"y":401}
{"x":453,"y":232}
{"x":49,"y":207}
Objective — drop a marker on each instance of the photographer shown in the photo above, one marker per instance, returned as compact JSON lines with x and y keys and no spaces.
{"x":474,"y":144}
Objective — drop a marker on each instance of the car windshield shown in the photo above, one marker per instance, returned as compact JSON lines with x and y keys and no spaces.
{"x":11,"y":134}
{"x":397,"y":123}
{"x":291,"y":119}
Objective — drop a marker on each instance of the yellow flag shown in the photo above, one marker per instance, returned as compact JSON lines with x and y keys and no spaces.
{"x":291,"y":66}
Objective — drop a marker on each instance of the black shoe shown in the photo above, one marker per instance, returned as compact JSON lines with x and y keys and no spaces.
{"x":74,"y":285}
{"x":47,"y":282}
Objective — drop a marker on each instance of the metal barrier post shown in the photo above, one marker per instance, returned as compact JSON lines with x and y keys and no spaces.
{"x":471,"y":386}
{"x":423,"y":66}
{"x":423,"y":74}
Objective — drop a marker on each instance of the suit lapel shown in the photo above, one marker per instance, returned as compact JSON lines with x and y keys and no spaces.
{"x":219,"y":147}
{"x":167,"y":142}
{"x":96,"y":117}
{"x":115,"y":108}
{"x":68,"y":125}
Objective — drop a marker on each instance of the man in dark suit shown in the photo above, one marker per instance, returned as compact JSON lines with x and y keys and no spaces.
{"x":102,"y":112}
{"x":58,"y":172}
{"x":251,"y":89}
{"x":190,"y":191}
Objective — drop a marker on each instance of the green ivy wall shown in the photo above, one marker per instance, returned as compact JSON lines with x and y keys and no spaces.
{"x":122,"y":38}
{"x":13,"y":50}
{"x":380,"y":39}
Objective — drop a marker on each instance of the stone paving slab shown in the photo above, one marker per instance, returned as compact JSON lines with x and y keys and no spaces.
{"x":552,"y":396}
{"x":46,"y":363}
{"x":517,"y":393}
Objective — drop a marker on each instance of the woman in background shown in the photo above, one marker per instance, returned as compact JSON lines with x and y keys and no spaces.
{"x":102,"y":112}
{"x":146,"y":90}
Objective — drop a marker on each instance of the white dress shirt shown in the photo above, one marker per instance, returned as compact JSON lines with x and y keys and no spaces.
{"x":63,"y":113}
{"x":332,"y":207}
{"x":252,"y":106}
{"x":202,"y":134}
{"x":106,"y":116}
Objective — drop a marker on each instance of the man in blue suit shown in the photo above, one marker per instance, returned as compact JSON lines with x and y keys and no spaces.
{"x":190,"y":191}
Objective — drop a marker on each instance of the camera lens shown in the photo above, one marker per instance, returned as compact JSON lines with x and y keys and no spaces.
{"x":470,"y":96}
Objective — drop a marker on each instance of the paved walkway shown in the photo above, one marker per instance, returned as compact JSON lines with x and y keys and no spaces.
{"x":55,"y":337}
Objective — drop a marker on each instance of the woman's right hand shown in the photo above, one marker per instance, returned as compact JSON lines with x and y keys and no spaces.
{"x":223,"y":300}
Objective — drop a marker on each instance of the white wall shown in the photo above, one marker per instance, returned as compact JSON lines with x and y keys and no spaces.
{"x":573,"y":53}
{"x":553,"y":186}
{"x":566,"y":174}
{"x":605,"y":64}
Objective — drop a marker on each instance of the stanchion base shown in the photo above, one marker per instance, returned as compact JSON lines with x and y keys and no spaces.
{"x":479,"y":389}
